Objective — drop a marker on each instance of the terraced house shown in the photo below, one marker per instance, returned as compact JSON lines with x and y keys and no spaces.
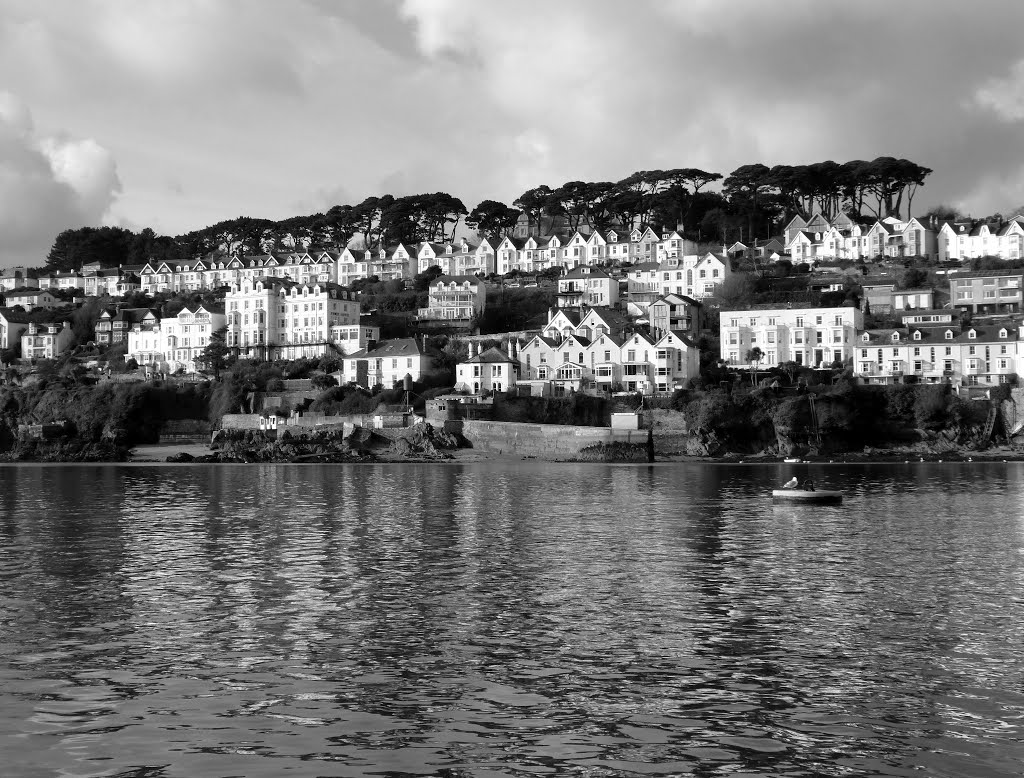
{"x":814,"y":337}
{"x":168,"y":344}
{"x":594,"y":352}
{"x":276,"y":318}
{"x":933,"y":347}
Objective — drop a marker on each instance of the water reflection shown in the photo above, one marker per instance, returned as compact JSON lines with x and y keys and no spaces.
{"x":488,"y":620}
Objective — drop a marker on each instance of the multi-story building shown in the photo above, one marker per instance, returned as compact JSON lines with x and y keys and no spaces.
{"x":455,"y":299}
{"x":113,"y":326}
{"x":276,"y":318}
{"x":933,"y":347}
{"x":12,"y":325}
{"x":387,"y":363}
{"x":46,"y":341}
{"x":843,"y":238}
{"x":587,"y":285}
{"x":590,"y":353}
{"x":457,"y":258}
{"x":987,"y":292}
{"x":172,"y":343}
{"x":675,"y":313}
{"x":493,"y":370}
{"x":959,"y":240}
{"x":695,"y":276}
{"x":815,"y":337}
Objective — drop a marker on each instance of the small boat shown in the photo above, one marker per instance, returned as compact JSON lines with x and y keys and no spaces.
{"x":793,"y":460}
{"x":809,"y":496}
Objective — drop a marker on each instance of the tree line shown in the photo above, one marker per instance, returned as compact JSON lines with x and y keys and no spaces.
{"x":754,"y":201}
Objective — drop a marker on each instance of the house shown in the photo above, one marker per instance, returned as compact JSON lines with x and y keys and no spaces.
{"x":454,"y":299}
{"x":815,"y":337}
{"x":877,"y":294}
{"x":933,"y":347}
{"x":46,"y":340}
{"x":173,"y":343}
{"x":17,"y":277}
{"x":30,"y":299}
{"x":387,"y":363}
{"x":599,"y":355}
{"x":493,"y":370}
{"x":277,"y":318}
{"x":12,"y":325}
{"x":959,"y":240}
{"x":907,"y":299}
{"x":987,"y":292}
{"x":587,"y":285}
{"x":674,"y":312}
{"x":113,"y":325}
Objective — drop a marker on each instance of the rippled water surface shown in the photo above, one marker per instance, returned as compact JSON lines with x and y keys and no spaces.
{"x":504,"y":620}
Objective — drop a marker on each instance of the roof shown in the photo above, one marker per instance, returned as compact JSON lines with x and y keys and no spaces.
{"x":491,"y":355}
{"x":455,"y":279}
{"x":586,"y":271}
{"x":14,"y":316}
{"x":399,"y":347}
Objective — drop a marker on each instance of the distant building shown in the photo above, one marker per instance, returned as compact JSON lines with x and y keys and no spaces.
{"x":46,"y":341}
{"x":454,"y":298}
{"x":30,"y":299}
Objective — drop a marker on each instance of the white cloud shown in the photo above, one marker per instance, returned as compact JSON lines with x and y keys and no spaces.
{"x":47,"y":185}
{"x":1004,"y":96}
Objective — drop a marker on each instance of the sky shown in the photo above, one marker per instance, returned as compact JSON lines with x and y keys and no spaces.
{"x":177,"y":114}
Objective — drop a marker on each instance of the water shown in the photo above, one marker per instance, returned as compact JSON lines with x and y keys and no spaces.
{"x":510,"y":620}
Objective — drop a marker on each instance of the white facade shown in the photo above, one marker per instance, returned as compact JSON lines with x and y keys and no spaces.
{"x":173,"y":343}
{"x":815,"y":337}
{"x":277,"y":318}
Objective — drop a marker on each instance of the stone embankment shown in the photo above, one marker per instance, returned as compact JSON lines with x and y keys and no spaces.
{"x":423,"y":443}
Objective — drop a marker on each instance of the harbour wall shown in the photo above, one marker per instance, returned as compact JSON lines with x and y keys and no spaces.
{"x":553,"y":441}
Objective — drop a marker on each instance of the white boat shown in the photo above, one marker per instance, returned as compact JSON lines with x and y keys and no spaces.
{"x":793,"y":460}
{"x":820,"y":496}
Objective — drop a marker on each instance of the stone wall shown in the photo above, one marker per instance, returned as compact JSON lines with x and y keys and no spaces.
{"x":544,"y":441}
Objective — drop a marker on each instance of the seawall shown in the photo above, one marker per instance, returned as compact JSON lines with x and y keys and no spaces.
{"x":552,"y":441}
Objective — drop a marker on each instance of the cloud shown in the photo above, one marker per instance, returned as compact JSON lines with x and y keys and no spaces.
{"x":49,"y":183}
{"x":1004,"y":96}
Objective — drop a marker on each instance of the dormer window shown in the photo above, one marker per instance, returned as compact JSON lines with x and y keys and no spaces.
{"x":971,"y":334}
{"x":949,"y":334}
{"x":895,"y":337}
{"x":1002,"y":333}
{"x":865,"y":337}
{"x":917,"y":336}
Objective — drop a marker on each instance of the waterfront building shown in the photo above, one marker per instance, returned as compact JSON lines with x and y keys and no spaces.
{"x":933,"y":347}
{"x":493,"y":370}
{"x":814,"y":337}
{"x":595,"y":352}
{"x":167,"y":344}
{"x":387,"y":363}
{"x":276,"y":318}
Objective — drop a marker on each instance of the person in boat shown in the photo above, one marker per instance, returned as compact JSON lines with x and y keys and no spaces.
{"x":808,"y":485}
{"x":792,"y":483}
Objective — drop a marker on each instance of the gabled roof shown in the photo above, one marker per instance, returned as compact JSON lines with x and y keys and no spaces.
{"x":493,"y":355}
{"x":586,"y":271}
{"x":455,"y":279}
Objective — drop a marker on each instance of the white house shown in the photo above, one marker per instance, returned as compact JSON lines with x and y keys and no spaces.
{"x":387,"y":363}
{"x":454,"y":298}
{"x":587,"y":285}
{"x":493,"y":370}
{"x":816,"y":337}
